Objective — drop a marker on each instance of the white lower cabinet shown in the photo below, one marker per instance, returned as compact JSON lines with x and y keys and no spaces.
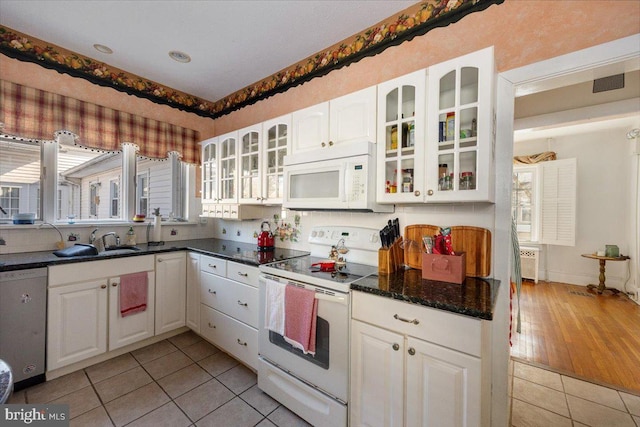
{"x":171,"y":291}
{"x":229,"y":307}
{"x":400,"y":377}
{"x":193,"y":291}
{"x":83,"y":315}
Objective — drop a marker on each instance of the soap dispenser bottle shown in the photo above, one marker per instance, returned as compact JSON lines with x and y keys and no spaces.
{"x":131,"y":237}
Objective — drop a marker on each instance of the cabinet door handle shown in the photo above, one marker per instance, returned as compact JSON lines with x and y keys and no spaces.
{"x":211,"y":326}
{"x":330,"y":143}
{"x":244,"y":304}
{"x":412,"y":351}
{"x":402,"y":319}
{"x":243,"y":274}
{"x":395,"y":346}
{"x":416,"y":193}
{"x":160,"y":260}
{"x":242,"y":343}
{"x":103,"y":286}
{"x":430,"y":193}
{"x":212,"y":292}
{"x":323,"y":144}
{"x":114,"y":284}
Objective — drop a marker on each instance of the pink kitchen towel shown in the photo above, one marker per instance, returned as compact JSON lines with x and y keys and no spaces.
{"x":133,"y":293}
{"x":300,"y":314}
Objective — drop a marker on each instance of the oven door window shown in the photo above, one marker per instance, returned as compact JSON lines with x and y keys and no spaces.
{"x":321,"y":357}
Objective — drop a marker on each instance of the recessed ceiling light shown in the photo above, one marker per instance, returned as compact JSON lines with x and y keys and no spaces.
{"x":102,"y":48}
{"x":176,"y":55}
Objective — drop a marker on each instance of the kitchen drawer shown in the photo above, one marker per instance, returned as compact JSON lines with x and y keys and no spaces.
{"x":447,"y":329}
{"x":213,"y":265}
{"x":232,"y":298}
{"x":246,"y":274}
{"x":235,"y":338}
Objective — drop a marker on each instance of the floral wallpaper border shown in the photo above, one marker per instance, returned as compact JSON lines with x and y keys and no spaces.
{"x":414,"y":21}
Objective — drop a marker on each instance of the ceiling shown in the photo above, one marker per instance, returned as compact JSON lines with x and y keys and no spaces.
{"x":232,"y":43}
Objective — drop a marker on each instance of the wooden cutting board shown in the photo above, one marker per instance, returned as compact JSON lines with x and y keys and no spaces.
{"x":474,"y":241}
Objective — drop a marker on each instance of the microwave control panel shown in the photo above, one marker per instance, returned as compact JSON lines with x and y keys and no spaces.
{"x":357,"y":177}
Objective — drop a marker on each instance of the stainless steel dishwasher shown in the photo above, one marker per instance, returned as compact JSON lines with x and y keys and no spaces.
{"x":23,"y":319}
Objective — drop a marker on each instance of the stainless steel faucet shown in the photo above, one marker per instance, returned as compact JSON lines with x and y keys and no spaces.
{"x":92,"y":238}
{"x":115,"y":236}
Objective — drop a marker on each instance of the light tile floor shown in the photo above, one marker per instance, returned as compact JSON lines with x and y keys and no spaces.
{"x":543,"y":398}
{"x":182,"y":381}
{"x":185,"y":381}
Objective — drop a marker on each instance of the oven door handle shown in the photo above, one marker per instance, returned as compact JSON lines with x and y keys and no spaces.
{"x":330,"y":298}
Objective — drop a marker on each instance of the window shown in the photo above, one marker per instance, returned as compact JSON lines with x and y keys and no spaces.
{"x":19,"y":177}
{"x":142,"y":194}
{"x":114,"y":196}
{"x":89,"y":184}
{"x":10,"y":200}
{"x":544,"y":202}
{"x":94,"y":199}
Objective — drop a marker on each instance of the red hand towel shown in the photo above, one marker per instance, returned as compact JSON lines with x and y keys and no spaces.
{"x":301,"y":311}
{"x":133,"y":293}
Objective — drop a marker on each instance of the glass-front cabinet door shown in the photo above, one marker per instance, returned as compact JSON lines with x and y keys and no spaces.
{"x":228,"y":152}
{"x":210,"y":171}
{"x":250,"y":178}
{"x":401,"y":131}
{"x":460,"y":139}
{"x":277,"y":142}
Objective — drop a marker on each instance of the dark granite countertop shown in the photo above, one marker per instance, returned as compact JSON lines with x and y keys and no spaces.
{"x":475,"y":297}
{"x":245,"y":253}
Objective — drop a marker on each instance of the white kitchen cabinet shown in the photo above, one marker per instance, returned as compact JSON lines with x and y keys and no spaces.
{"x":193,"y":291}
{"x":347,"y":119}
{"x":250,"y":171}
{"x":210,"y":172}
{"x":229,"y":307}
{"x":171,"y":291}
{"x":460,"y":129}
{"x":401,"y":139}
{"x":276,"y":145}
{"x":416,"y":366}
{"x":77,"y":322}
{"x":83,"y":311}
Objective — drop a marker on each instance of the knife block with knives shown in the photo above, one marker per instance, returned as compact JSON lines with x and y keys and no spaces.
{"x":391,"y":254}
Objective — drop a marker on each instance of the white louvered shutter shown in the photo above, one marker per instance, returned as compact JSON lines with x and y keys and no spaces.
{"x":558,"y":202}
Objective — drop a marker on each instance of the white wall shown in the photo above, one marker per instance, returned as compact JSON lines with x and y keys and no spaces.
{"x":602,"y":214}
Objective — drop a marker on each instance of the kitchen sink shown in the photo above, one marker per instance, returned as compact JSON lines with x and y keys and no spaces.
{"x":81,"y":249}
{"x":119,"y":250}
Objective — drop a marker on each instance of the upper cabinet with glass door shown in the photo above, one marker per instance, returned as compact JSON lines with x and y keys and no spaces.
{"x":228,"y":152}
{"x":250,"y":179}
{"x":401,"y":130}
{"x":210,"y":171}
{"x":276,"y":145}
{"x":460,"y":123}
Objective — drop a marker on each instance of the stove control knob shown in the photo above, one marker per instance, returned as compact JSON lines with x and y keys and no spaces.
{"x":321,"y":234}
{"x":314,"y":233}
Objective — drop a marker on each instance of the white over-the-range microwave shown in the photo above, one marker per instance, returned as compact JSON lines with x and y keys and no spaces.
{"x":336,"y":178}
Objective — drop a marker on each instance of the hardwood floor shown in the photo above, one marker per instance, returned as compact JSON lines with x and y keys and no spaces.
{"x":578,"y":332}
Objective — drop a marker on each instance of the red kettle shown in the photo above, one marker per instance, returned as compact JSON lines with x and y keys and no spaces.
{"x":265,"y":238}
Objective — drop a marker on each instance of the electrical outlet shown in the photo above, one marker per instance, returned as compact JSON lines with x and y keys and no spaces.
{"x":203,"y":220}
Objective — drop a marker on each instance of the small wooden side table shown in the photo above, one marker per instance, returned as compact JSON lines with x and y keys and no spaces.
{"x":603,"y":259}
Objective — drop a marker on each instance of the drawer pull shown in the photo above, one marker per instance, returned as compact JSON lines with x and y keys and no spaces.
{"x":402,"y":319}
{"x":212,"y":292}
{"x":244,"y":304}
{"x":103,"y":286}
{"x":412,"y":351}
{"x":242,"y":343}
{"x":213,"y":266}
{"x":211,"y":326}
{"x":243,"y":274}
{"x":395,"y":346}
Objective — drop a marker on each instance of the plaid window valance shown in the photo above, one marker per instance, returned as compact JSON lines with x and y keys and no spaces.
{"x":37,"y":114}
